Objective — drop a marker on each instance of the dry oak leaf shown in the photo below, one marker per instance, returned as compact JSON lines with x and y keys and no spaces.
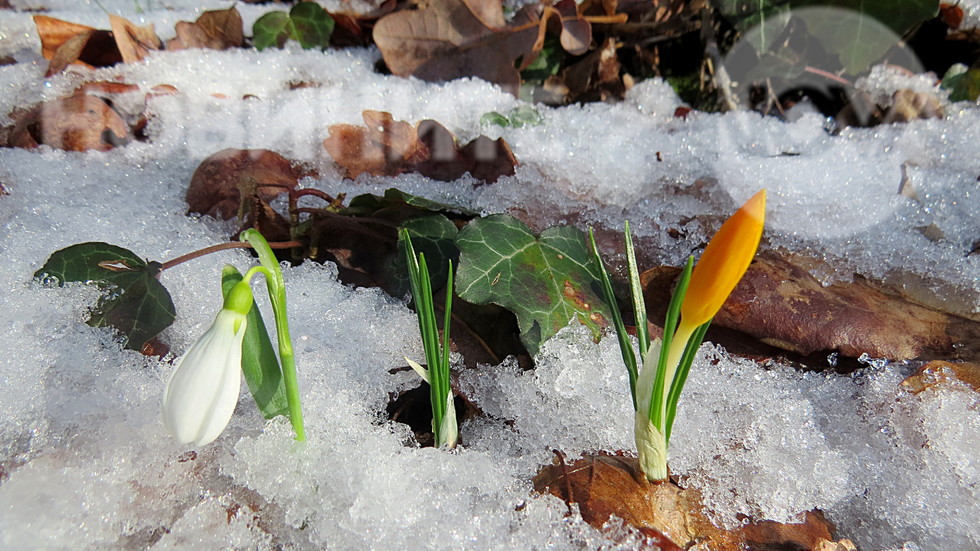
{"x":605,"y":485}
{"x":213,"y":30}
{"x":222,"y":180}
{"x":451,"y":39}
{"x":784,"y":306}
{"x":65,"y":43}
{"x":75,"y":123}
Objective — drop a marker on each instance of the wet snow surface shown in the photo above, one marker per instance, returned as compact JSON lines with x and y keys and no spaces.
{"x":85,"y":462}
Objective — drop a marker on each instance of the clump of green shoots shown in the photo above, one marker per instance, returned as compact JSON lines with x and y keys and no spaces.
{"x":444,"y":426}
{"x":701,"y":290}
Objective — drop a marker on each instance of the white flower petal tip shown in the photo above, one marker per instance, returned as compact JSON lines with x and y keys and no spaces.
{"x":203,"y":389}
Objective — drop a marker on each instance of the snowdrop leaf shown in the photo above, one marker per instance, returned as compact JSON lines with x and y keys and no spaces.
{"x":546,"y":280}
{"x":135,"y":303}
{"x":260,"y":366}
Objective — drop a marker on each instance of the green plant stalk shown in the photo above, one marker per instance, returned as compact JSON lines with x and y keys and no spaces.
{"x":625,"y":346}
{"x":276,"y":286}
{"x":636,"y":292}
{"x":683,"y":368}
{"x":436,"y":354}
{"x":656,"y":389}
{"x":661,"y":385}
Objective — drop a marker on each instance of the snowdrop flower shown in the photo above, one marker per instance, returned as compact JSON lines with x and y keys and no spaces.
{"x":203,"y":389}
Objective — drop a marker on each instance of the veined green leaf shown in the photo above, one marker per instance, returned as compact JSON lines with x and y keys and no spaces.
{"x":135,"y":302}
{"x":546,"y":281}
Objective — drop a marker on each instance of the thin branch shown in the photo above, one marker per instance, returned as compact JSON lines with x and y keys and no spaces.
{"x":223,"y":247}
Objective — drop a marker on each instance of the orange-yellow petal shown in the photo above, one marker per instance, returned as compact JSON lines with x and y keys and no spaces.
{"x":724,"y":262}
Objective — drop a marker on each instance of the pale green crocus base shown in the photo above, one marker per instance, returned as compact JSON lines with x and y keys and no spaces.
{"x":651,"y":445}
{"x":651,"y":448}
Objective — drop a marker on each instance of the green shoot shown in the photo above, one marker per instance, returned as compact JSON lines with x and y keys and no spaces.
{"x":444,"y":425}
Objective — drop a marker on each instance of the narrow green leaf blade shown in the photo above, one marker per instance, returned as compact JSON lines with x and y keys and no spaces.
{"x":625,"y":346}
{"x":260,"y":366}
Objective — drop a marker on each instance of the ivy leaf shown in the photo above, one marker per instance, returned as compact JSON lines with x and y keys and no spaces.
{"x":434,"y":236}
{"x":260,"y":366}
{"x":963,"y":83}
{"x":546,"y":281}
{"x":307,"y":23}
{"x":367,"y":204}
{"x":134,"y":303}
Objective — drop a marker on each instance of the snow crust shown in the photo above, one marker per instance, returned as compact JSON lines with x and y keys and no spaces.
{"x":85,"y":462}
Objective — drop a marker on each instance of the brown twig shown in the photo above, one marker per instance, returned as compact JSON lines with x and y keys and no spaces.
{"x":223,"y":247}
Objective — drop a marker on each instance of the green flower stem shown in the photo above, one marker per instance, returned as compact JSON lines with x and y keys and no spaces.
{"x":277,"y":296}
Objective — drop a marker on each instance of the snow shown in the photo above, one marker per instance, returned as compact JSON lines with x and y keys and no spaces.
{"x":86,"y":463}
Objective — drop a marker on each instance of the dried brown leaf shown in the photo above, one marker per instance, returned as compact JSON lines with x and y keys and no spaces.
{"x":784,"y":306}
{"x":213,"y":30}
{"x":55,"y":32}
{"x":386,"y":147}
{"x":942,"y":373}
{"x":605,"y":485}
{"x":134,"y":42}
{"x":75,"y":123}
{"x":452,"y":39}
{"x":221,"y":180}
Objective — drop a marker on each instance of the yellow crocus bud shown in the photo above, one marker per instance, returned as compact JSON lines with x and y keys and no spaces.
{"x":724,"y":262}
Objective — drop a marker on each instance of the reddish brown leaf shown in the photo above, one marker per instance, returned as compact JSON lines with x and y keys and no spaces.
{"x":134,"y":42}
{"x":223,"y":179}
{"x":388,"y":147}
{"x":214,"y":30}
{"x":941,"y":373}
{"x":382,"y":147}
{"x":452,"y":39}
{"x":785,"y":306}
{"x":75,"y":123}
{"x":55,"y":32}
{"x":951,"y":14}
{"x":605,"y":485}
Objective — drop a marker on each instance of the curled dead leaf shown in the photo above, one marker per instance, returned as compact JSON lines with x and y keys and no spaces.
{"x":75,"y":123}
{"x":223,"y":179}
{"x":134,"y":42}
{"x":385,"y":147}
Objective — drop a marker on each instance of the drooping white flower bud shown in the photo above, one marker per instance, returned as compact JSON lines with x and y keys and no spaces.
{"x":203,"y":389}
